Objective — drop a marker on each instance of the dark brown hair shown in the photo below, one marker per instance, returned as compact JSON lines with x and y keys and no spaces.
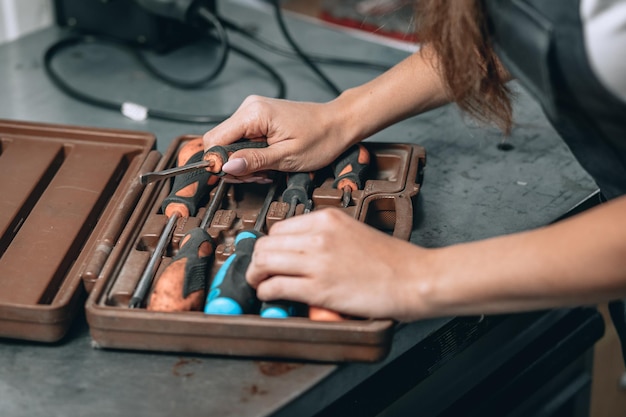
{"x":457,"y":31}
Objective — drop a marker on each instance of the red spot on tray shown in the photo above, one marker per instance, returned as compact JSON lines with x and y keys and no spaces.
{"x":178,"y":368}
{"x":276,"y":368}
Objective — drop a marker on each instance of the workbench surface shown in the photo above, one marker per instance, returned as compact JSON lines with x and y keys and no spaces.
{"x":472,"y":190}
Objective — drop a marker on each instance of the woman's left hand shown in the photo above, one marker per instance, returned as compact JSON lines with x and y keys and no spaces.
{"x":328,"y":259}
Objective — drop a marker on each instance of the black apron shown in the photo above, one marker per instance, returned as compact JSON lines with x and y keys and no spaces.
{"x":541,"y":43}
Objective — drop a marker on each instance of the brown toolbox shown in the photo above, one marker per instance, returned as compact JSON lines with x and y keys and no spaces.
{"x":75,"y":219}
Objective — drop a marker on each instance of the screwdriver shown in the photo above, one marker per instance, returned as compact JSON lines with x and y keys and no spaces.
{"x":187,"y":192}
{"x":296,"y":192}
{"x":211,"y":161}
{"x":350,"y":170}
{"x":230,"y":293}
{"x":181,"y":285}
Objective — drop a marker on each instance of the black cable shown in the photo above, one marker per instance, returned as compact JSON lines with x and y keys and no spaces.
{"x":144,"y":112}
{"x":279,"y":50}
{"x":222,"y":39}
{"x":49,"y":55}
{"x":218,"y":119}
{"x":296,"y":48}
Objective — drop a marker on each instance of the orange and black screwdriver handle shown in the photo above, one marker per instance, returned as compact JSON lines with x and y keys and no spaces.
{"x":181,"y":286}
{"x":350,"y":169}
{"x":230,"y":293}
{"x":189,"y":190}
{"x":218,"y":155}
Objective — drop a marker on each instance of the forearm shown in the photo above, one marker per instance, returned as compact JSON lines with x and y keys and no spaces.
{"x":575,"y":262}
{"x":409,"y":88}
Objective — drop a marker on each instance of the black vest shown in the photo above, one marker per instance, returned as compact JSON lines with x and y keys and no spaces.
{"x":541,"y":43}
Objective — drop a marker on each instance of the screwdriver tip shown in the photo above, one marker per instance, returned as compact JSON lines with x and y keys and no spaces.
{"x":346,"y":197}
{"x":134,"y":302}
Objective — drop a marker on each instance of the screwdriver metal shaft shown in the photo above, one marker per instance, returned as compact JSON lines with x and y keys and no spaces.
{"x":146,"y":278}
{"x":214,"y":158}
{"x":149,"y":177}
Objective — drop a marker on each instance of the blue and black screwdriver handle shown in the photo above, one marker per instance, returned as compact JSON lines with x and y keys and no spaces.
{"x":230,"y":293}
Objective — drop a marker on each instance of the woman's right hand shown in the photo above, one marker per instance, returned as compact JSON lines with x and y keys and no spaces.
{"x":302,"y":136}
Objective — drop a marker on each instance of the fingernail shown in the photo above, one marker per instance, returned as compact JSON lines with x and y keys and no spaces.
{"x":235,"y":166}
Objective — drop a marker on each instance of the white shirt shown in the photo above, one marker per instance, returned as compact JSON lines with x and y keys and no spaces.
{"x":604,"y":28}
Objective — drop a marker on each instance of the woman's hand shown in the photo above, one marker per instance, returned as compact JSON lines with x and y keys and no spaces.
{"x":328,"y":259}
{"x":302,"y":136}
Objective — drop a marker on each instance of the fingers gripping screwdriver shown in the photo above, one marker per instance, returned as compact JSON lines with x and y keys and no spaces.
{"x":350,"y":170}
{"x":230,"y":293}
{"x":212,"y":161}
{"x":296,"y":192}
{"x":186,"y":194}
{"x":181,"y":286}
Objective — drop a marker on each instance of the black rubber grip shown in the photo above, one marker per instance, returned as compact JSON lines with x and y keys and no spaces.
{"x":358,"y":171}
{"x":298,"y":187}
{"x":201,"y":176}
{"x":196,"y":268}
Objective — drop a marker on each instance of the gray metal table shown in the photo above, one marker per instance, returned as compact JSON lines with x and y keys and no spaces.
{"x":472,"y":190}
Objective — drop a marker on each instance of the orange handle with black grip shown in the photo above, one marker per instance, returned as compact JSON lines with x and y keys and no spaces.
{"x":350,"y":171}
{"x":190,"y":189}
{"x":181,"y":287}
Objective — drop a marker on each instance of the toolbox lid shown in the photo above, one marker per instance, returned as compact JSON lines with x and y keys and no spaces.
{"x":67,"y":194}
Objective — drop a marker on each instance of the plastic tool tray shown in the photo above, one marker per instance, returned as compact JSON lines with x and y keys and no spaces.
{"x":75,"y":219}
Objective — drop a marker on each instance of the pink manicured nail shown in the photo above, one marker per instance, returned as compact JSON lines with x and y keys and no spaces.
{"x":235,"y":166}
